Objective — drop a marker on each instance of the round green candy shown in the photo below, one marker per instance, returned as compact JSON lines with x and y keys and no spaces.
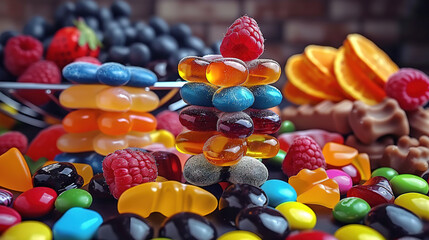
{"x":386,"y":172}
{"x":406,"y":183}
{"x":278,"y":159}
{"x":351,"y":210}
{"x":73,"y":198}
{"x":287,"y":126}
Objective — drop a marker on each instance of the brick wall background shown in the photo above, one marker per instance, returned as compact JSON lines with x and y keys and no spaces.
{"x":400,"y":27}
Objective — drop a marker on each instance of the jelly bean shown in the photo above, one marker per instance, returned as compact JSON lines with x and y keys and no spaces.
{"x":311,"y":235}
{"x":416,"y":203}
{"x":235,"y":125}
{"x":85,"y":171}
{"x":125,"y":226}
{"x":386,"y":172}
{"x":98,"y":187}
{"x":262,"y":71}
{"x":200,"y":94}
{"x":351,"y":170}
{"x":166,"y":198}
{"x":405,"y":183}
{"x":343,"y":179}
{"x":240,"y":196}
{"x":199,"y":118}
{"x":393,"y":221}
{"x":81,"y":72}
{"x":278,"y":192}
{"x":227,"y":72}
{"x":28,"y":230}
{"x":239,"y":235}
{"x":93,"y":159}
{"x":168,"y":164}
{"x":375,"y":191}
{"x":286,"y":127}
{"x":77,"y":223}
{"x":58,"y":176}
{"x":266,"y":96}
{"x":8,"y":218}
{"x":113,"y":74}
{"x":278,"y":159}
{"x":6,"y":198}
{"x":363,"y":165}
{"x":187,"y":225}
{"x":14,"y":172}
{"x":164,"y":137}
{"x":265,"y":121}
{"x":222,"y":151}
{"x":351,"y":210}
{"x":299,"y":216}
{"x":232,"y":99}
{"x":262,"y":146}
{"x":338,"y":154}
{"x":45,"y":143}
{"x":73,"y":198}
{"x":193,"y":69}
{"x":357,"y":232}
{"x":141,"y":77}
{"x":320,"y":136}
{"x":35,"y":202}
{"x":192,"y":142}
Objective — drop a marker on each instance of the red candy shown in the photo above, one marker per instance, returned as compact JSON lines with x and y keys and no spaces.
{"x":8,"y":218}
{"x":265,"y":121}
{"x":169,"y":120}
{"x":45,"y":143}
{"x":351,"y":170}
{"x":235,"y":125}
{"x":168,"y":164}
{"x":320,"y":136}
{"x":12,"y":139}
{"x":198,"y":118}
{"x":375,"y":191}
{"x":311,"y":235}
{"x":36,"y":202}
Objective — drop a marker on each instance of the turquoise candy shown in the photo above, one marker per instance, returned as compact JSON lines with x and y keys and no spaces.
{"x":386,"y":172}
{"x":141,"y":77}
{"x":93,"y":159}
{"x":278,"y":192}
{"x":73,"y":198}
{"x":233,"y":99}
{"x":81,"y":72}
{"x":196,"y":93}
{"x":77,"y":224}
{"x":405,"y":183}
{"x":266,"y":96}
{"x":351,"y":210}
{"x":113,"y":74}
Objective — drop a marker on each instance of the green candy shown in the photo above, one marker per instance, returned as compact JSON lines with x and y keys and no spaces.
{"x":386,"y":172}
{"x":406,"y":183}
{"x":287,"y":126}
{"x":351,"y":210}
{"x":278,"y":159}
{"x":73,"y":198}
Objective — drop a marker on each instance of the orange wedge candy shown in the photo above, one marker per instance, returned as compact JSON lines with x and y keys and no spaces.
{"x":296,"y":96}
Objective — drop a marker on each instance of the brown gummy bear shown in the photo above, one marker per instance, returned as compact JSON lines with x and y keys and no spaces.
{"x":326,"y":115}
{"x":374,"y":150}
{"x":370,"y":123}
{"x":419,"y":122}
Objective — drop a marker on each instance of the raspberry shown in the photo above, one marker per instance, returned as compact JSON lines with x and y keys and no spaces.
{"x":12,"y":139}
{"x":39,"y":72}
{"x":169,"y":120}
{"x":410,"y":87}
{"x":88,"y":59}
{"x":127,"y":168}
{"x":20,"y":52}
{"x":243,"y":40}
{"x":303,"y":153}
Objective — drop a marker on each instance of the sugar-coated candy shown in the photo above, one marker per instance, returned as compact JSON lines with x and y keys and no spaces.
{"x":393,"y":221}
{"x":235,"y":125}
{"x":200,"y":172}
{"x":239,"y":235}
{"x":188,"y":225}
{"x":262,"y":72}
{"x":265,"y":121}
{"x":238,"y":197}
{"x":320,"y":136}
{"x":168,"y":165}
{"x":343,"y":179}
{"x":278,"y":192}
{"x":405,"y":183}
{"x":311,"y":235}
{"x":113,"y":74}
{"x":416,"y":203}
{"x":198,"y":118}
{"x":266,"y":96}
{"x":91,"y":158}
{"x":200,"y":94}
{"x":6,"y":198}
{"x":45,"y":143}
{"x":58,"y":176}
{"x":98,"y":187}
{"x":28,"y":230}
{"x":167,"y":198}
{"x":338,"y":154}
{"x":35,"y":202}
{"x":141,"y":77}
{"x":227,"y":72}
{"x":232,"y":99}
{"x":375,"y":191}
{"x":262,"y":146}
{"x":125,"y":226}
{"x":357,"y":232}
{"x":77,"y":224}
{"x":8,"y":218}
{"x":222,"y":151}
{"x":350,"y":210}
{"x":81,"y":72}
{"x":192,"y":142}
{"x":73,"y":198}
{"x":299,"y":215}
{"x":386,"y":172}
{"x":351,"y":170}
{"x":14,"y":172}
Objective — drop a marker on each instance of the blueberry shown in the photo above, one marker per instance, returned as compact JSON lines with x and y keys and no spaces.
{"x":64,"y":10}
{"x":163,"y":46}
{"x":216,"y":47}
{"x":123,"y":22}
{"x":175,"y":57}
{"x":86,"y":8}
{"x":119,"y":54}
{"x":92,"y":22}
{"x":35,"y":27}
{"x":139,"y":55}
{"x":5,"y":36}
{"x":145,"y":33}
{"x":180,"y":31}
{"x":194,"y":43}
{"x":100,"y":35}
{"x":159,"y":67}
{"x":68,"y":21}
{"x":159,"y":25}
{"x":104,"y":16}
{"x":114,"y":37}
{"x":110,"y":24}
{"x":130,"y":34}
{"x":120,"y":9}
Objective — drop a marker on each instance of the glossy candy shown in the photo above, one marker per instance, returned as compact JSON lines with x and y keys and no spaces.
{"x":351,"y":210}
{"x":187,"y":225}
{"x":193,"y":69}
{"x":98,"y":187}
{"x":85,"y":171}
{"x":113,"y":74}
{"x":58,"y":176}
{"x":125,"y":226}
{"x":363,"y":165}
{"x":386,"y":172}
{"x":8,"y":218}
{"x":405,"y":183}
{"x":262,"y":146}
{"x":235,"y":125}
{"x":266,"y":96}
{"x":338,"y":154}
{"x":416,"y":203}
{"x":81,"y":72}
{"x":6,"y":198}
{"x":277,"y":160}
{"x":239,"y":235}
{"x":169,"y":165}
{"x":93,"y":159}
{"x":45,"y":143}
{"x":343,"y":179}
{"x":198,"y":118}
{"x":265,"y":121}
{"x":287,"y":127}
{"x":351,"y":170}
{"x":73,"y":198}
{"x":278,"y":192}
{"x":320,"y":136}
{"x":36,"y":202}
{"x":357,"y":232}
{"x":375,"y":191}
{"x":262,"y":71}
{"x":299,"y":215}
{"x":77,"y":224}
{"x":233,"y":99}
{"x":227,"y":72}
{"x":14,"y":172}
{"x":311,"y":235}
{"x":28,"y":230}
{"x":222,"y":151}
{"x":167,"y":198}
{"x":200,"y":94}
{"x":192,"y":142}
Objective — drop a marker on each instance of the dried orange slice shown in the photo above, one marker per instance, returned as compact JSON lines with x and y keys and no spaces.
{"x":355,"y":82}
{"x":298,"y":73}
{"x":375,"y":63}
{"x":294,"y":95}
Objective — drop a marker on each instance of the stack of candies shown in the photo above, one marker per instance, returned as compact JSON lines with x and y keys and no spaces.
{"x":229,"y":97}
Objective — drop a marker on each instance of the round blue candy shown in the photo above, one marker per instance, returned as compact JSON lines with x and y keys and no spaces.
{"x":113,"y":74}
{"x":196,"y":93}
{"x":278,"y":192}
{"x":81,"y":72}
{"x":93,"y":159}
{"x":141,"y":77}
{"x":266,"y":96}
{"x":233,"y":99}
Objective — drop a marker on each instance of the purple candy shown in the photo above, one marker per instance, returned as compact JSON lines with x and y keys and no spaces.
{"x":6,"y":198}
{"x":343,"y":179}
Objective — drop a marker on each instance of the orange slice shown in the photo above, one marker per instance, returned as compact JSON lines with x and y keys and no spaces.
{"x":375,"y":63}
{"x":355,"y":82}
{"x":294,"y":95}
{"x":298,"y":73}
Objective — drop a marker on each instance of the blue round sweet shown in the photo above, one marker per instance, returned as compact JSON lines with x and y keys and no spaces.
{"x":197,"y":93}
{"x":233,"y":99}
{"x":81,"y":72}
{"x":266,"y":96}
{"x":113,"y":74}
{"x":278,"y":192}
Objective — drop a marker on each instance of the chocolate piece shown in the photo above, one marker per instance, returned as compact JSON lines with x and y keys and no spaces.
{"x":370,"y":123}
{"x":325,"y":115}
{"x":374,"y":150}
{"x":419,"y":122}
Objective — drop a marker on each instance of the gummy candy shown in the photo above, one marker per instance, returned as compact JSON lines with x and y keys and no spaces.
{"x":14,"y":172}
{"x":222,"y":151}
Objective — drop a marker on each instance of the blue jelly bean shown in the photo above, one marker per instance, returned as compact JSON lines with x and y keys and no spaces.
{"x":93,"y":159}
{"x":141,"y":77}
{"x":77,"y":224}
{"x":196,"y":93}
{"x":113,"y":74}
{"x":266,"y":96}
{"x":233,"y":99}
{"x":81,"y":72}
{"x":278,"y":192}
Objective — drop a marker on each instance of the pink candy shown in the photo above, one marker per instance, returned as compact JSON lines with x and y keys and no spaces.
{"x":343,"y":179}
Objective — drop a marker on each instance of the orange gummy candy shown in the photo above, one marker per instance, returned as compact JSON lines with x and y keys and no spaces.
{"x":227,"y":72}
{"x":262,"y":72}
{"x":222,"y":151}
{"x":363,"y":165}
{"x":14,"y":172}
{"x":193,"y":69}
{"x":338,"y":154}
{"x":192,"y":142}
{"x":262,"y":146}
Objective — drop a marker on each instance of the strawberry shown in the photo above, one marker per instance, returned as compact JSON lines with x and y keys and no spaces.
{"x":70,"y":43}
